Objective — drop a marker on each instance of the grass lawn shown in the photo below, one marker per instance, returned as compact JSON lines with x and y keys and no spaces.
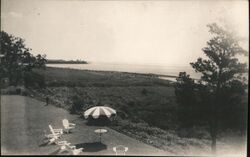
{"x":25,"y":120}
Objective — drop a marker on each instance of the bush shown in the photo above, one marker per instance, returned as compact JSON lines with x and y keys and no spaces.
{"x":24,"y":93}
{"x":144,"y":91}
{"x":77,"y":105}
{"x":194,"y":132}
{"x":101,"y":121}
{"x":33,"y":79}
{"x":18,"y":91}
{"x":122,"y":114}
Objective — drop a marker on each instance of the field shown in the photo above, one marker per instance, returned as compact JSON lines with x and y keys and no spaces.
{"x":137,"y":97}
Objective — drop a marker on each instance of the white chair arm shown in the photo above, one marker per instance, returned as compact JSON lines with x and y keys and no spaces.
{"x":62,"y":142}
{"x":52,"y":140}
{"x":58,"y":131}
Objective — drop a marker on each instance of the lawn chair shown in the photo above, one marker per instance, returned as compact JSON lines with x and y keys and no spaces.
{"x":62,"y":145}
{"x":54,"y":136}
{"x":49,"y":136}
{"x":55,"y":131}
{"x":53,"y":140}
{"x":120,"y":150}
{"x":73,"y":149}
{"x":67,"y":126}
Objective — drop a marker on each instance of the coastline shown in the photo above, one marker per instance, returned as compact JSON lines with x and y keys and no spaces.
{"x":160,"y":76}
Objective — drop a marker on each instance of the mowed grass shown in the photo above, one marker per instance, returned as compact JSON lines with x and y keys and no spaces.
{"x":24,"y":121}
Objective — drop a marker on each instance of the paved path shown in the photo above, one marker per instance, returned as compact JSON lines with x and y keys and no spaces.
{"x":24,"y":122}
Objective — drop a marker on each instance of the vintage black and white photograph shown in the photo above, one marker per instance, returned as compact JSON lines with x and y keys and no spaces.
{"x":124,"y":77}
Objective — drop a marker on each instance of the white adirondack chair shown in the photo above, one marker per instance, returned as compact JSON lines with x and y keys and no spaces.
{"x":55,"y":131}
{"x":73,"y":150}
{"x":120,"y":150}
{"x":53,"y":139}
{"x":63,"y":145}
{"x":54,"y":136}
{"x":67,"y":126}
{"x":48,"y":136}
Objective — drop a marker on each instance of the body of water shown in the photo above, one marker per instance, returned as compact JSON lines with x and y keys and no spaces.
{"x":133,"y":68}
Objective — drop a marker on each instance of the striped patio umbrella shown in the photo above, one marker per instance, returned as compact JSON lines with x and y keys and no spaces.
{"x":98,"y":111}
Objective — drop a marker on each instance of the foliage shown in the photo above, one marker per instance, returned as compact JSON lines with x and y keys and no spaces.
{"x":221,"y":87}
{"x":33,"y":79}
{"x":77,"y":105}
{"x":186,"y":96}
{"x":16,"y":58}
{"x":144,"y":91}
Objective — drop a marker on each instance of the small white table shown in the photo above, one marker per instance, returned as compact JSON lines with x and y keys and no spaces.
{"x":100,"y":132}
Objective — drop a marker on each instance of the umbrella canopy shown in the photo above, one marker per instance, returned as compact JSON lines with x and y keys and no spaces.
{"x":98,"y":111}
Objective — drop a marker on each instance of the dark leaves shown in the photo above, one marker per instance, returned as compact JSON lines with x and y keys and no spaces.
{"x":16,"y":58}
{"x":222,"y":85}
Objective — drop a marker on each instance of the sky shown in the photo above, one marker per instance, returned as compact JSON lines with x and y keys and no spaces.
{"x":125,"y":31}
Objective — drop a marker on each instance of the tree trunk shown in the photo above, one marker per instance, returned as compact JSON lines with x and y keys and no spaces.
{"x":213,"y":133}
{"x":213,"y":145}
{"x":214,"y":127}
{"x":214,"y":113}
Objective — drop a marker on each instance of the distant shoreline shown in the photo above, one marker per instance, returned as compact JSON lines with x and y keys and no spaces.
{"x":51,"y":61}
{"x":66,"y":62}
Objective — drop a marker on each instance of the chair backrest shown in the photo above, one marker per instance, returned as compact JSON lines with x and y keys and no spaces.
{"x":51,"y":129}
{"x":65,"y":123}
{"x":120,"y":150}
